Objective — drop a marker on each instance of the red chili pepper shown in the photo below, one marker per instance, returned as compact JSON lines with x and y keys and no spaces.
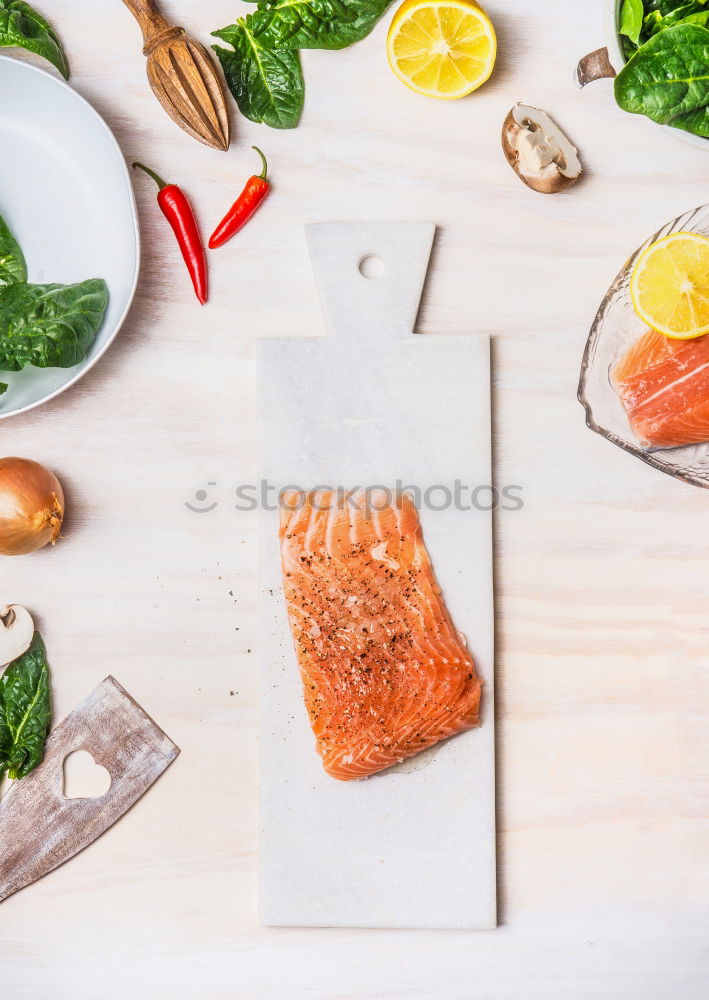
{"x":255,"y":190}
{"x":176,"y":208}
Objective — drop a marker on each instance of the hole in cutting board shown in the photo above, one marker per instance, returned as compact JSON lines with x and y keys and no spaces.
{"x":83,"y":777}
{"x":372,"y":266}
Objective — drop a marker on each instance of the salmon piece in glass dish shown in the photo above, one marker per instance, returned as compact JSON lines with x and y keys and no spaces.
{"x":385,"y":674}
{"x":663,"y":385}
{"x":646,"y":391}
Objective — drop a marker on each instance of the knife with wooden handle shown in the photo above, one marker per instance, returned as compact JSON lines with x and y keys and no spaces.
{"x":40,"y":829}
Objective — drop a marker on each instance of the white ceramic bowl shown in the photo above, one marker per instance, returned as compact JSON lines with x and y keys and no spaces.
{"x":66,"y":194}
{"x":617,"y":60}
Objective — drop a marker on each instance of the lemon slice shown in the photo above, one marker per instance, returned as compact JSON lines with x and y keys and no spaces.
{"x":669,"y":286}
{"x":441,"y":48}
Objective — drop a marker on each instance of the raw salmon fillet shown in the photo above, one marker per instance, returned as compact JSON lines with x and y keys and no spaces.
{"x":385,"y":674}
{"x":664,"y":386}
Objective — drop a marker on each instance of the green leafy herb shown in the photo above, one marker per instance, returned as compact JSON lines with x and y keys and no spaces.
{"x":262,"y":68}
{"x":267,"y":84}
{"x":652,"y":23}
{"x":22,"y":27}
{"x":641,"y":19}
{"x":686,"y":13}
{"x":701,"y":18}
{"x":25,"y":711}
{"x":12,"y":261}
{"x":50,"y":326}
{"x":666,"y":7}
{"x":631,"y":19}
{"x":668,"y":79}
{"x":318,"y":24}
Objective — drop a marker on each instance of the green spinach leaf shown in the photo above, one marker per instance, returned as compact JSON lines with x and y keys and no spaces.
{"x":25,"y":711}
{"x":655,"y":16}
{"x":701,"y":18}
{"x":668,"y":79}
{"x":652,"y":23}
{"x":50,"y":326}
{"x":318,"y":24}
{"x":5,"y":735}
{"x":665,"y":7}
{"x":267,"y":84}
{"x":22,"y":27}
{"x":12,"y":261}
{"x":631,"y":19}
{"x":684,"y":13}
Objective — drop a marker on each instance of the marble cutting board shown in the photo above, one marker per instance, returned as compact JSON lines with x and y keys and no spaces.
{"x":372,"y":403}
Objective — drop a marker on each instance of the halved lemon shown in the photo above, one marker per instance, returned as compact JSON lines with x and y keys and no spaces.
{"x":669,"y":286}
{"x":442,"y":48}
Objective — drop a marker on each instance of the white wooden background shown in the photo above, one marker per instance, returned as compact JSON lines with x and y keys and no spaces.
{"x":602,"y":579}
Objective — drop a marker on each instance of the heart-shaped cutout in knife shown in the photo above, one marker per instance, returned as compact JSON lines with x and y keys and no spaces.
{"x":40,"y":828}
{"x":83,"y":777}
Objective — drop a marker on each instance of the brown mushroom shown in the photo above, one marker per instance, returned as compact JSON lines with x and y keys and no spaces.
{"x":16,"y":631}
{"x":538,"y":151}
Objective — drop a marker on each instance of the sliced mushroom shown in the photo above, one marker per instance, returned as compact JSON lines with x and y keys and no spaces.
{"x":538,"y":151}
{"x":16,"y":631}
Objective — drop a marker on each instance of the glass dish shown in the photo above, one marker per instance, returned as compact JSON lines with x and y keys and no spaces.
{"x":615,"y":328}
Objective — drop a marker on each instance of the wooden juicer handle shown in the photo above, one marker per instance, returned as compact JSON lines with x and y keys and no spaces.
{"x":156,"y":28}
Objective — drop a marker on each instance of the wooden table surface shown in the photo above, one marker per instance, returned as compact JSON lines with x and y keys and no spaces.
{"x":602,"y":579}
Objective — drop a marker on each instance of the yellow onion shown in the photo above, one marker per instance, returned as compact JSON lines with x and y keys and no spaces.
{"x":31,"y":506}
